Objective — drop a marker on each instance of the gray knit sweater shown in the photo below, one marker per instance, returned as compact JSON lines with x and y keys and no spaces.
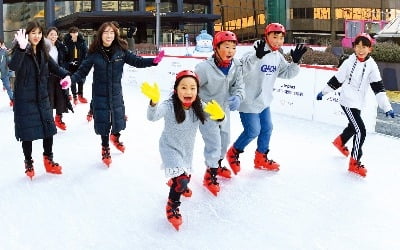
{"x":177,"y":140}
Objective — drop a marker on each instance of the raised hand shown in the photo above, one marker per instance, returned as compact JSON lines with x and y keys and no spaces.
{"x":214,"y":110}
{"x":159,"y":57}
{"x":260,"y":49}
{"x":152,"y":92}
{"x":298,"y":52}
{"x":22,"y":38}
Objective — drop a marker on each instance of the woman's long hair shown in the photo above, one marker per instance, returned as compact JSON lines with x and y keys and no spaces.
{"x":180,"y":115}
{"x":98,"y":43}
{"x":41,"y":47}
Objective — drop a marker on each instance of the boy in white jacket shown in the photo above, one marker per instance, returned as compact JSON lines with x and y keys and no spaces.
{"x":357,"y":73}
{"x":260,"y":70}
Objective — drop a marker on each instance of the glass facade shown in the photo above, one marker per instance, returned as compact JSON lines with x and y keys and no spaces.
{"x":344,"y":13}
{"x":16,"y":15}
{"x":246,"y":17}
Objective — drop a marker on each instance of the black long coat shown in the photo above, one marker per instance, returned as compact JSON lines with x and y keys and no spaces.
{"x":107,"y":98}
{"x":58,"y":96}
{"x":33,"y":115}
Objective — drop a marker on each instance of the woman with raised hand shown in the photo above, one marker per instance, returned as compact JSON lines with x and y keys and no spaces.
{"x":33,"y":114}
{"x":107,"y":55}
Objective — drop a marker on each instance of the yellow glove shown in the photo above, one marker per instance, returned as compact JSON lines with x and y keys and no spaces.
{"x":215,"y":110}
{"x":152,"y":92}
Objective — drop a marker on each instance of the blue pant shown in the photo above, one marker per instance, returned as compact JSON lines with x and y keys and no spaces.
{"x":6,"y":84}
{"x":255,"y":125}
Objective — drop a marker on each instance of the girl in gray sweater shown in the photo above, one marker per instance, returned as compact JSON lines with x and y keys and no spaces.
{"x":182,"y":113}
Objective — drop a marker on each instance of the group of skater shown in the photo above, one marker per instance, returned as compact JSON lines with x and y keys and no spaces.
{"x":201,"y":99}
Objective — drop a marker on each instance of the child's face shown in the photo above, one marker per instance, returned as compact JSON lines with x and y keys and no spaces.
{"x":227,"y":50}
{"x":361,"y":50}
{"x":108,"y":36}
{"x":187,"y":91}
{"x":35,"y":36}
{"x":275,"y":40}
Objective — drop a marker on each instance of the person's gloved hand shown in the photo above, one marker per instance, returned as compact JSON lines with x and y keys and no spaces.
{"x":259,"y":47}
{"x":234,"y":102}
{"x":214,"y":110}
{"x":159,"y":57}
{"x":298,"y":52}
{"x":22,"y":38}
{"x":319,"y":96}
{"x":65,"y":82}
{"x":152,"y":92}
{"x":391,"y":113}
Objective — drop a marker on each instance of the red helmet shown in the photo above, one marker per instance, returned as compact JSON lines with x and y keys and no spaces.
{"x":184,"y":73}
{"x":367,"y":36}
{"x":274,"y":27}
{"x":223,"y":36}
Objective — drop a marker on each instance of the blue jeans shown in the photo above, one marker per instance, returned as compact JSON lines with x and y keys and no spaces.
{"x":6,"y":84}
{"x":255,"y":125}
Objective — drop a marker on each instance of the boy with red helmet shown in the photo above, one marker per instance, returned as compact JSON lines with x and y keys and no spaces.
{"x":221,"y":80}
{"x":355,"y":76}
{"x":182,"y":113}
{"x":260,"y":70}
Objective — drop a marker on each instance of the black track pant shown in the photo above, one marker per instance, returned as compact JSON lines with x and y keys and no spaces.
{"x":355,"y":128}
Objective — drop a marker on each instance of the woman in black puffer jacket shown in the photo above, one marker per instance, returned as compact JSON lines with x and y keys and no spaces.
{"x":33,"y":115}
{"x":107,"y":55}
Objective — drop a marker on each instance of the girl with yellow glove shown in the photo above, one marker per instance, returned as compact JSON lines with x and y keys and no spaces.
{"x":182,"y":113}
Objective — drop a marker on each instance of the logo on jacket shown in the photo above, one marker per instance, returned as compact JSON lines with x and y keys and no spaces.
{"x":268,"y":68}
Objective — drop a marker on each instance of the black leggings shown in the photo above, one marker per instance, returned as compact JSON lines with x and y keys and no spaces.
{"x":355,"y":128}
{"x":105,"y":139}
{"x":47,"y":148}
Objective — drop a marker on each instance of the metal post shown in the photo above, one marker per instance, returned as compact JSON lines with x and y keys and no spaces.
{"x":157,"y":25}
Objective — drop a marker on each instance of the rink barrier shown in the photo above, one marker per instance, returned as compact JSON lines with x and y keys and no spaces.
{"x":294,"y":97}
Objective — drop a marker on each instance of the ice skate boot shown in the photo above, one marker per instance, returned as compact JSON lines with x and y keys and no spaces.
{"x":181,"y":184}
{"x":356,"y":167}
{"x":59,"y":123}
{"x":223,"y":171}
{"x":114,"y":138}
{"x":173,"y":215}
{"x":82,"y":99}
{"x":232,"y":156}
{"x":262,"y":162}
{"x":29,"y":171}
{"x":105,"y":155}
{"x":210,"y":181}
{"x":339,"y":145}
{"x":50,"y":166}
{"x":75,"y":100}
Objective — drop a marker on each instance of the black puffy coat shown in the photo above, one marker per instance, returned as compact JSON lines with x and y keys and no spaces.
{"x":107,"y":98}
{"x":33,"y":115}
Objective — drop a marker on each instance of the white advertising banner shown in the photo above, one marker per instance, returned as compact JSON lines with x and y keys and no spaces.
{"x":295,"y":96}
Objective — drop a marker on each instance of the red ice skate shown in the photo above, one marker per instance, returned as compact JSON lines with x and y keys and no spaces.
{"x":173,"y":215}
{"x":262,"y":162}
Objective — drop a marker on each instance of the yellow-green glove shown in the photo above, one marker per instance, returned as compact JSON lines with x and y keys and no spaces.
{"x":215,"y":110}
{"x":152,"y":92}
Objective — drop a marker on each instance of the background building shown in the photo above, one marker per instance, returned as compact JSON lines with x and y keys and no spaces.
{"x":178,"y":17}
{"x":323,"y":21}
{"x":307,"y":21}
